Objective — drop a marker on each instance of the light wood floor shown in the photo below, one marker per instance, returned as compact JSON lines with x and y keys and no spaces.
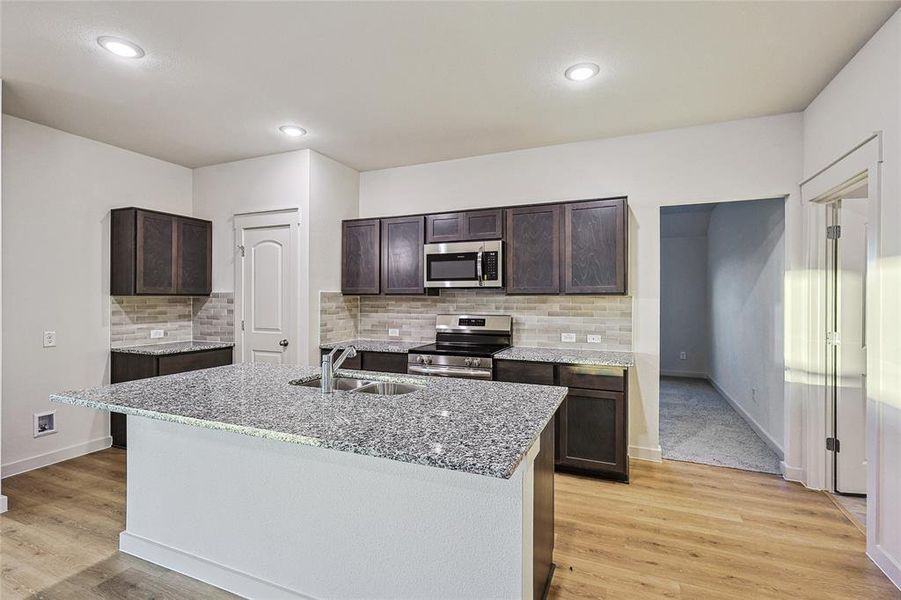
{"x":678,"y":531}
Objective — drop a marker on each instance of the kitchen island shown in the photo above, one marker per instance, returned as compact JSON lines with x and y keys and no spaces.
{"x":271,"y":490}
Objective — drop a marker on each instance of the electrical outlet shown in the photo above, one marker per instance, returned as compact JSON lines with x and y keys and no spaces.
{"x":594,"y":339}
{"x":683,"y":355}
{"x":157,"y":333}
{"x":393,"y":332}
{"x":567,"y":337}
{"x":49,"y":339}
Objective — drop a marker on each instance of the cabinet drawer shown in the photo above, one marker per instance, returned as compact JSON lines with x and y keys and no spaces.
{"x":610,"y":379}
{"x":524,"y":372}
{"x":180,"y":363}
{"x":387,"y":362}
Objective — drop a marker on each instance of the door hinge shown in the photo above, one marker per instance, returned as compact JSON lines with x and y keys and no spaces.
{"x":241,"y":250}
{"x":833,"y":338}
{"x":833,"y":232}
{"x":833,"y":445}
{"x":242,"y":324}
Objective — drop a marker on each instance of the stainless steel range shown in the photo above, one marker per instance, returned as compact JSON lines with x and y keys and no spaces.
{"x":464,"y":346}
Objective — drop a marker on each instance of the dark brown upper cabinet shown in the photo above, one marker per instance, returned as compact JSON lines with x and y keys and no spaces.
{"x":533,"y":249}
{"x":154,"y":253}
{"x":594,"y":247}
{"x":360,"y":256}
{"x":403,"y":255}
{"x":465,"y":226}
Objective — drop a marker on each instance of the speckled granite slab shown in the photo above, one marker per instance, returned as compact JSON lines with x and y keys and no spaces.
{"x":173,"y":348}
{"x":605,"y":358}
{"x":485,"y":428}
{"x":397,"y":347}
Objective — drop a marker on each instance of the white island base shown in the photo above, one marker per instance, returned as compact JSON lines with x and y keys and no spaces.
{"x":269,"y":519}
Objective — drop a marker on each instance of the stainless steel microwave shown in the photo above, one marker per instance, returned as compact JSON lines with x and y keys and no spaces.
{"x":464,"y":264}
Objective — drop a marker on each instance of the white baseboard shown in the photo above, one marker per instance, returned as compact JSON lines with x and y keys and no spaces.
{"x":689,"y":374}
{"x":50,"y":458}
{"x":886,"y":564}
{"x":761,"y":433}
{"x":645,"y":453}
{"x":213,"y":573}
{"x":790,"y":473}
{"x":3,"y":504}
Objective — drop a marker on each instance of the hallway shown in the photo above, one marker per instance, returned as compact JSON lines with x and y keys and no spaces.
{"x":698,"y":425}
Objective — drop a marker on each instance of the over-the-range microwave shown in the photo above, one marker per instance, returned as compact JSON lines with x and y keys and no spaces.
{"x":464,"y":264}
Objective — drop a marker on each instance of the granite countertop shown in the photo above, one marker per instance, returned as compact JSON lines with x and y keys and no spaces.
{"x":480,"y":427}
{"x":172,"y":348}
{"x":605,"y":358}
{"x":395,"y":346}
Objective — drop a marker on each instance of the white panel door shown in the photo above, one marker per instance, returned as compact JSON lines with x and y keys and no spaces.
{"x":851,"y":359}
{"x":267,"y":320}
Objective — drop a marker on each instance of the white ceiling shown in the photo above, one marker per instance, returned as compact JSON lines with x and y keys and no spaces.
{"x":386,"y":84}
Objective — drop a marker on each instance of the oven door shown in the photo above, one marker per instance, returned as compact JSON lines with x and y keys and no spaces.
{"x":445,"y":371}
{"x":463,"y":265}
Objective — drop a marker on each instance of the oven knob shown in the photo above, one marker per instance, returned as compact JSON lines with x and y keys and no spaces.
{"x":420,"y":359}
{"x":467,"y":362}
{"x":428,"y":360}
{"x":475,"y":362}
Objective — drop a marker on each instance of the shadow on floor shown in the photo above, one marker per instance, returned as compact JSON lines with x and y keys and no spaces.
{"x":698,"y":425}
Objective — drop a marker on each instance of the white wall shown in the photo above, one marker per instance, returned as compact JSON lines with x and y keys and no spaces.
{"x":746,"y":258}
{"x":753,"y":158}
{"x":334,"y":196}
{"x":2,"y":497}
{"x":866,"y":97}
{"x":683,"y":300}
{"x":324,"y":190}
{"x":57,"y":192}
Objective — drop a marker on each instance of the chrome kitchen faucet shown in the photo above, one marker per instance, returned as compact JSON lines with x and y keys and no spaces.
{"x":330,"y":367}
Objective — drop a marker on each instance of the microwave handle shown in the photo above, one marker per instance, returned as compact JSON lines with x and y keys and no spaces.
{"x":479,"y":266}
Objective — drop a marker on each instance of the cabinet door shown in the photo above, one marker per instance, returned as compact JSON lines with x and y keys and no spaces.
{"x":360,"y":247}
{"x":447,"y":227}
{"x":195,"y":257}
{"x":483,"y":225}
{"x":533,"y":250}
{"x":402,"y":255}
{"x":156,"y":254}
{"x":385,"y":362}
{"x":593,"y":432}
{"x":594,"y":243}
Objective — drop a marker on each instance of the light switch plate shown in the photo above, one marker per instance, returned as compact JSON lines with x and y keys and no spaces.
{"x":594,"y":339}
{"x":157,"y":333}
{"x":393,"y":332}
{"x":567,"y":337}
{"x":49,"y":339}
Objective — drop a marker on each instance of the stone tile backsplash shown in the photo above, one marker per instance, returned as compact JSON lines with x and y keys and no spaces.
{"x":209,"y":319}
{"x":214,"y":317}
{"x":537,"y":320}
{"x":133,"y":317}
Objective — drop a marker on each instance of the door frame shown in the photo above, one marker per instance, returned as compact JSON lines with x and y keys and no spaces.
{"x":285,"y":217}
{"x":817,"y":192}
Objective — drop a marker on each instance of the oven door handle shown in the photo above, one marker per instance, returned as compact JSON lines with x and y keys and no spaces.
{"x":479,"y":266}
{"x":449,"y":372}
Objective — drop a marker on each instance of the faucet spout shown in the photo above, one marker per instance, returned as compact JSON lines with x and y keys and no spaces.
{"x":330,"y":367}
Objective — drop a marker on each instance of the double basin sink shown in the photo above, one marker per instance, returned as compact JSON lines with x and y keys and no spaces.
{"x":364,"y":386}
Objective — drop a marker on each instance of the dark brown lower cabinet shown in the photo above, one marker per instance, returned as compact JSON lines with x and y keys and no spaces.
{"x":130,"y":367}
{"x":592,"y":423}
{"x":384,"y":362}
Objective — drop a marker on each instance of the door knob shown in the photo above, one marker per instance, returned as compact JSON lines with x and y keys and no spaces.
{"x":283,"y":343}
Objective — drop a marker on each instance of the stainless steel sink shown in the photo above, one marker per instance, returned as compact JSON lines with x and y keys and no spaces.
{"x":343,"y":384}
{"x":388,"y":388}
{"x":364,"y":386}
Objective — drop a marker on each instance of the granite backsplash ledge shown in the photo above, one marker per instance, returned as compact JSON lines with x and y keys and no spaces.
{"x":538,"y":321}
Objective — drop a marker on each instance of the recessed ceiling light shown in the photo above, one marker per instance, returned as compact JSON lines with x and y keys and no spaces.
{"x":292,"y":130}
{"x":582,"y":71}
{"x":120,"y":47}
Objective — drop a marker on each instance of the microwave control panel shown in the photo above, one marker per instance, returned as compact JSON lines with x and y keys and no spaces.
{"x":489,"y":266}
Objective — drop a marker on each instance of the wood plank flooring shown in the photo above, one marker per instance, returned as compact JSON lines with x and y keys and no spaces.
{"x":678,"y":531}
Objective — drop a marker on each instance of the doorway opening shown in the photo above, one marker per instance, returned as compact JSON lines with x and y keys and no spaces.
{"x":722,"y":269}
{"x":846,"y":241}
